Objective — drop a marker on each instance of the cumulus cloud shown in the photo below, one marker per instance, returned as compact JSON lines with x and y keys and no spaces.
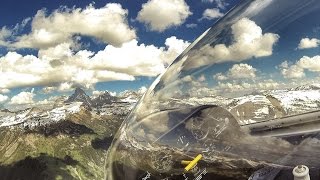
{"x":238,"y":71}
{"x":142,"y":60}
{"x":19,"y":71}
{"x":247,"y":86}
{"x":49,"y":89}
{"x":23,"y":98}
{"x":220,"y":77}
{"x":108,"y":24}
{"x":142,"y":89}
{"x":3,"y":98}
{"x":131,"y":58}
{"x":297,"y":70}
{"x":161,"y":15}
{"x":65,"y":87}
{"x":310,"y":63}
{"x":4,"y":91}
{"x":62,"y":87}
{"x":49,"y":101}
{"x":61,"y":68}
{"x":306,"y":43}
{"x":248,"y":42}
{"x":174,"y":48}
{"x":210,"y":14}
{"x":4,"y":34}
{"x":291,"y":72}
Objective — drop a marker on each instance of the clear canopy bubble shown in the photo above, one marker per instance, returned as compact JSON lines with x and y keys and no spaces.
{"x":245,"y":96}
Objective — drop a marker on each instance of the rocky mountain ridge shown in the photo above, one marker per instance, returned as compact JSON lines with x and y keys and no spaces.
{"x":80,"y":96}
{"x":103,"y":104}
{"x":248,"y":108}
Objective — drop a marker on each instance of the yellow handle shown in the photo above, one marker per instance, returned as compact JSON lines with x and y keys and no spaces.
{"x":193,"y":162}
{"x":183,"y":162}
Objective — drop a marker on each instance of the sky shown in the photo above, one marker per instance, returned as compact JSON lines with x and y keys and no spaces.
{"x":47,"y":48}
{"x":260,"y":46}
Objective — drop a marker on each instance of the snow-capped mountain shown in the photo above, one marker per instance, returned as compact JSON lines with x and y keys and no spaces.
{"x":37,"y":117}
{"x":247,"y":109}
{"x":96,"y":101}
{"x":314,"y":86}
{"x":80,"y":96}
{"x":252,"y":108}
{"x":264,"y":105}
{"x":297,"y":101}
{"x":104,"y":98}
{"x":275,"y":103}
{"x":130,"y":96}
{"x":62,"y":107}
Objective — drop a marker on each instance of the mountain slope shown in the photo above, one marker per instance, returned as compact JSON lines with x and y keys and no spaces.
{"x":80,"y":96}
{"x":104,"y":98}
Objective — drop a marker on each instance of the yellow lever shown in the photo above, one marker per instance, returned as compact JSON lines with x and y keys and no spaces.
{"x":192,"y":163}
{"x":183,"y":162}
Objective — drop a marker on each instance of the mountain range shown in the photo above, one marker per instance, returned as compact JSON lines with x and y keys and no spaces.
{"x":70,"y":138}
{"x":67,"y":139}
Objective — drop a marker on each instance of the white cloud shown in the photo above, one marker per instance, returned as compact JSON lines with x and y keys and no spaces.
{"x":62,"y":87}
{"x":142,"y":89}
{"x":211,"y":14}
{"x":20,"y":26}
{"x":3,"y":98}
{"x":65,"y":87}
{"x":108,"y":24}
{"x":48,"y":89}
{"x":19,"y":71}
{"x":7,"y":35}
{"x":238,"y":71}
{"x":306,"y":43}
{"x":243,"y":87}
{"x":248,"y":42}
{"x":174,"y":48}
{"x":4,"y":91}
{"x":44,"y":102}
{"x":291,"y":72}
{"x":220,"y":77}
{"x":130,"y":58}
{"x":310,"y":63}
{"x":49,"y":101}
{"x":242,"y":71}
{"x":191,"y":25}
{"x":97,"y":93}
{"x":161,"y":15}
{"x":134,"y":59}
{"x":4,"y":34}
{"x":297,"y":70}
{"x":60,"y":68}
{"x":23,"y":98}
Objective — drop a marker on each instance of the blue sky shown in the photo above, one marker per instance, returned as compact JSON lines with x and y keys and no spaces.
{"x":32,"y":36}
{"x":48,"y":49}
{"x":13,"y":12}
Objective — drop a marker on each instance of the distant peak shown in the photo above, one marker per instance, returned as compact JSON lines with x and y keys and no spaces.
{"x":79,"y":95}
{"x":79,"y":90}
{"x":313,"y":86}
